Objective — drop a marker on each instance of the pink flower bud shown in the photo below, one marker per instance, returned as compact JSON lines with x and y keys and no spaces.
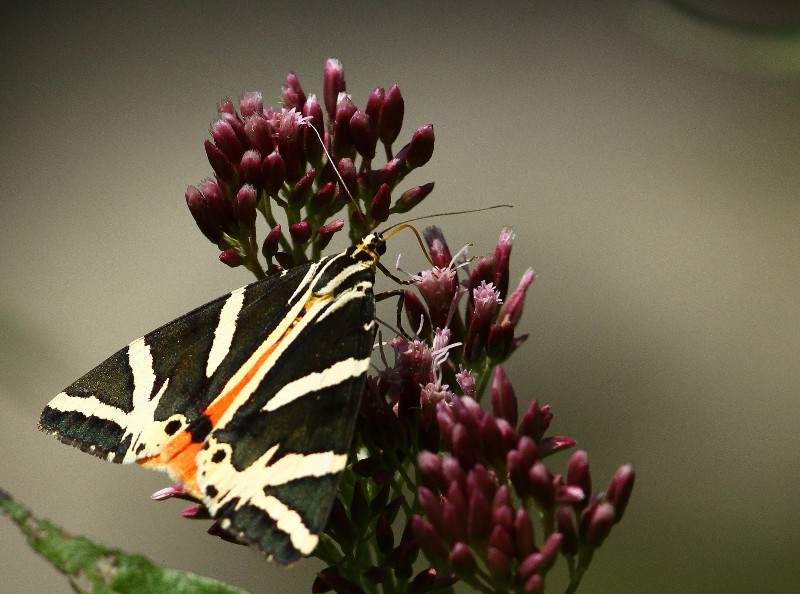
{"x":342,"y":140}
{"x":322,"y":198}
{"x":260,"y":134}
{"x":381,"y":202}
{"x":300,"y":232}
{"x":251,"y":167}
{"x":511,"y":310}
{"x":420,"y":149}
{"x":437,"y":246}
{"x":219,"y":208}
{"x":271,"y":242}
{"x":333,"y":84}
{"x":462,"y":560}
{"x":284,"y":260}
{"x":578,"y":474}
{"x":326,"y":232}
{"x":500,"y":341}
{"x":498,"y":563}
{"x":504,"y":400}
{"x":502,"y":256}
{"x":227,"y":141}
{"x":301,"y":191}
{"x":293,"y":95}
{"x":363,"y":133}
{"x":601,"y":520}
{"x":251,"y":103}
{"x":524,"y":542}
{"x":220,"y":163}
{"x":429,"y":541}
{"x":245,"y":207}
{"x":374,"y":103}
{"x":230,"y":258}
{"x":347,"y":170}
{"x":273,"y":172}
{"x":620,"y":489}
{"x":411,"y":198}
{"x":203,"y":215}
{"x":478,"y":516}
{"x":390,"y":119}
{"x":567,"y":529}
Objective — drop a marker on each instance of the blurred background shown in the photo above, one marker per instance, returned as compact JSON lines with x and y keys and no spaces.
{"x":651,"y":152}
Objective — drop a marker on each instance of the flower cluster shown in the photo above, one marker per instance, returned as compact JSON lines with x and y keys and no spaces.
{"x":430,"y":469}
{"x":309,"y":159}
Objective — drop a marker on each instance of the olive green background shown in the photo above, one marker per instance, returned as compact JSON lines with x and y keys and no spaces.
{"x":652,"y":159}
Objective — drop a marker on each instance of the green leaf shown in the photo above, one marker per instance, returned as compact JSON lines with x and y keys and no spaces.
{"x":91,"y":567}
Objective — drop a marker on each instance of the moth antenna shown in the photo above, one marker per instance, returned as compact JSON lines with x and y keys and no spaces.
{"x":444,"y":214}
{"x":394,"y":229}
{"x":335,"y":168}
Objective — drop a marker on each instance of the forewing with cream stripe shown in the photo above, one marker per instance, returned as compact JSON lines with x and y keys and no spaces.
{"x":249,"y":401}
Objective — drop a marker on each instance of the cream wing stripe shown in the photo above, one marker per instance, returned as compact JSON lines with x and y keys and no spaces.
{"x":335,"y":374}
{"x":223,"y":334}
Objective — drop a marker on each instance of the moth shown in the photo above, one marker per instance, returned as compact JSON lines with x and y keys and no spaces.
{"x":249,"y":401}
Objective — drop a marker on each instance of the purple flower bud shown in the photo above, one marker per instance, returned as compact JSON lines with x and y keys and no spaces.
{"x":504,"y":401}
{"x":619,"y":490}
{"x":271,"y":243}
{"x":578,"y":474}
{"x":432,"y":507}
{"x":601,"y":520}
{"x":438,"y":287}
{"x":531,"y":564}
{"x":301,"y":191}
{"x":430,"y":465}
{"x":420,"y":148}
{"x":322,"y":198}
{"x":523,"y":534}
{"x":492,"y":442}
{"x":347,"y":170}
{"x":535,"y":421}
{"x":549,"y":550}
{"x":452,"y":471}
{"x":498,"y":563}
{"x":326,"y":232}
{"x":412,"y":197}
{"x":176,"y":491}
{"x":423,"y":581}
{"x":389,"y":173}
{"x":226,"y":140}
{"x":230,"y":258}
{"x":364,"y":135}
{"x":429,"y":541}
{"x":500,"y":341}
{"x":260,"y":134}
{"x":251,"y":167}
{"x":312,"y":141}
{"x":567,"y":529}
{"x":226,"y":107}
{"x":374,"y":102}
{"x":534,"y":585}
{"x":570,"y":494}
{"x":220,"y":163}
{"x":203,"y":215}
{"x":273,"y":172}
{"x":478,"y":516}
{"x":500,"y":538}
{"x":293,"y":95}
{"x":219,"y":208}
{"x":379,"y":208}
{"x":300,"y":232}
{"x":290,"y":143}
{"x":462,"y":560}
{"x":502,"y":256}
{"x":519,"y":462}
{"x":466,"y":382}
{"x":541,"y":485}
{"x":552,"y":445}
{"x":251,"y":103}
{"x":333,"y":84}
{"x":437,"y":246}
{"x":511,"y":310}
{"x":342,"y":138}
{"x":464,"y":447}
{"x":390,"y":119}
{"x":245,"y":207}
{"x":196,"y":512}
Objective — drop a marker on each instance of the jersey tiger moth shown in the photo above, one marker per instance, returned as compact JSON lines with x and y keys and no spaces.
{"x":249,"y":401}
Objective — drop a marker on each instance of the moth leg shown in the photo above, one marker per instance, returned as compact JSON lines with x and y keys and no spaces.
{"x":400,"y":294}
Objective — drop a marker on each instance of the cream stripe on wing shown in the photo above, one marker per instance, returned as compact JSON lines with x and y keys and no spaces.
{"x":223,"y":334}
{"x":335,"y":374}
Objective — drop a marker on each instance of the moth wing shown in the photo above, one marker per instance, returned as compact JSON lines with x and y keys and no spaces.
{"x":129,"y":406}
{"x":270,"y":472}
